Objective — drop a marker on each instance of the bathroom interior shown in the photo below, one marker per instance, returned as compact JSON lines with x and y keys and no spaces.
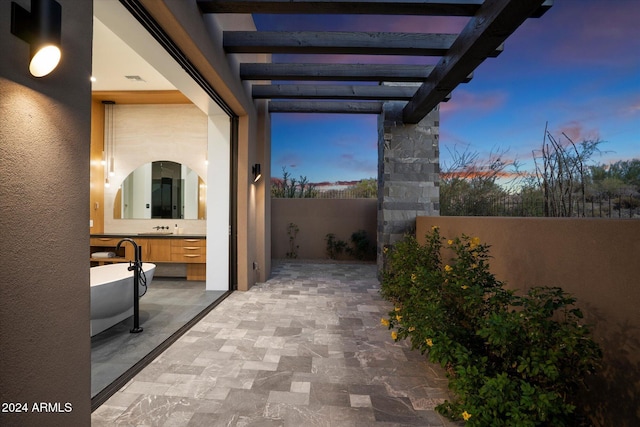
{"x":160,"y":177}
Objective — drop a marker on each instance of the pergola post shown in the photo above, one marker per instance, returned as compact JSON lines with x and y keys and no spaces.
{"x":408,"y":173}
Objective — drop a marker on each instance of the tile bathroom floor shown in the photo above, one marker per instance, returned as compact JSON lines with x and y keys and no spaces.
{"x":166,"y":307}
{"x":305,"y":348}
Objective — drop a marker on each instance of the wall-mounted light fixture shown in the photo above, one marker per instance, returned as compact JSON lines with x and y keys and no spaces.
{"x":108,"y":154}
{"x":255,"y":169}
{"x":41,"y":28}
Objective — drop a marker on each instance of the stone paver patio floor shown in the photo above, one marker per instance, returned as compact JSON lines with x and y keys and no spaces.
{"x":305,"y":348}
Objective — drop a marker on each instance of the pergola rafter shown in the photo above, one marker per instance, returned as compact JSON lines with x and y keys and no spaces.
{"x":345,"y":7}
{"x":491,"y":23}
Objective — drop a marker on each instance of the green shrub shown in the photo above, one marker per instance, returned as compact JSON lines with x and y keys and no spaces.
{"x":362,"y":248}
{"x":335,"y":246}
{"x":511,"y":360}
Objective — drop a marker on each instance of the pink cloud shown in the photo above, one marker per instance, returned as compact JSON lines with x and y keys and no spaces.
{"x":407,"y":24}
{"x":586,"y":32}
{"x":464,"y":100}
{"x":576,"y":131}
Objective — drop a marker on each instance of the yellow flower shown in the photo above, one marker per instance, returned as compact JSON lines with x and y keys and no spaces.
{"x":414,"y":277}
{"x":434,"y":227}
{"x":396,"y":309}
{"x":466,"y":415}
{"x":384,"y":322}
{"x":394,"y":335}
{"x":429,"y":342}
{"x":474,"y":265}
{"x":385,"y":250}
{"x":448,"y":268}
{"x":398,"y":318}
{"x":464,"y":287}
{"x":474,"y":242}
{"x":450,"y":242}
{"x":412,"y":328}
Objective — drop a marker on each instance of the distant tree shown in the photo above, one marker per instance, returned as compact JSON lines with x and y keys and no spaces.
{"x":364,"y":189}
{"x":561,"y":170}
{"x":626,"y":172}
{"x":469,"y":185}
{"x":289,"y":187}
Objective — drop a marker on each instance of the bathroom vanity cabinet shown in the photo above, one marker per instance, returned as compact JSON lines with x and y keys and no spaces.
{"x":189,"y":250}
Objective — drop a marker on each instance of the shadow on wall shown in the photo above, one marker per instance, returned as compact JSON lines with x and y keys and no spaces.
{"x":613,"y":398}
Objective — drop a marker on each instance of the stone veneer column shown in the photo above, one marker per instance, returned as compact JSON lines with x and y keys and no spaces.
{"x":408,"y":173}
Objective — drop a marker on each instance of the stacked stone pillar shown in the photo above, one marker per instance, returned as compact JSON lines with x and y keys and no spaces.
{"x":408,"y":173}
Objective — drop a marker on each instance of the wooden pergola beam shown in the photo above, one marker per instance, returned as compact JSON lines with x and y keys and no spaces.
{"x":341,"y":42}
{"x":335,"y":72}
{"x":370,"y":7}
{"x":493,"y":23}
{"x":344,"y":92}
{"x":334,"y":107}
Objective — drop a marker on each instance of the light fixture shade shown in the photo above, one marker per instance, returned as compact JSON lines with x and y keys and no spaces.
{"x":41,"y":28}
{"x":256,"y":172}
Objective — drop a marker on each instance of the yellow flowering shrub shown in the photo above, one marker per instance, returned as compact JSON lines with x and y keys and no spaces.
{"x":511,"y":360}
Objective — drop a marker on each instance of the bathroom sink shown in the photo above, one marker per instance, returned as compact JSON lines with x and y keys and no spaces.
{"x":155,"y":233}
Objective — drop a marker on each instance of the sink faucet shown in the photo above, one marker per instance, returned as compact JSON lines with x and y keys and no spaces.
{"x":136,"y":267}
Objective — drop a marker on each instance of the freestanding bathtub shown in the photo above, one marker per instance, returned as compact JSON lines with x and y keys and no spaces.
{"x":112,"y":294}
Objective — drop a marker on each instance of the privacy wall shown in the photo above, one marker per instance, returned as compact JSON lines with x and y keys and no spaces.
{"x":597,"y":261}
{"x":315,"y":218}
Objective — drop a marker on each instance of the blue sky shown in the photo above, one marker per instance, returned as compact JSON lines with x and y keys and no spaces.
{"x":577,"y":68}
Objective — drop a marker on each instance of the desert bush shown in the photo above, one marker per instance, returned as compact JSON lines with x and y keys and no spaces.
{"x":510,"y":359}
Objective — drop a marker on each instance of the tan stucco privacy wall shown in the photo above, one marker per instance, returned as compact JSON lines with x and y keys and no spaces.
{"x":596,"y":260}
{"x":316,"y":218}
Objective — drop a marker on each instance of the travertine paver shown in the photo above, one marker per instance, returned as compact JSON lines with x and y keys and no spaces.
{"x":306,"y":348}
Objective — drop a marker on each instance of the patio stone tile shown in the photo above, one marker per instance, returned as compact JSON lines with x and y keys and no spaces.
{"x":305,"y":348}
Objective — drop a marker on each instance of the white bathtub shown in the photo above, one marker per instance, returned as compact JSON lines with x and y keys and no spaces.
{"x":112,"y":294}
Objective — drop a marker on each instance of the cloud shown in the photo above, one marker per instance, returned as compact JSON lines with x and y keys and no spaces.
{"x":477,"y":102}
{"x":287,"y":160}
{"x":354,"y":163}
{"x":588,"y":32}
{"x":370,"y":23}
{"x":576,"y":131}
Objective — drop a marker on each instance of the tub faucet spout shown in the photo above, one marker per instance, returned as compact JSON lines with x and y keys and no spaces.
{"x":136,"y":267}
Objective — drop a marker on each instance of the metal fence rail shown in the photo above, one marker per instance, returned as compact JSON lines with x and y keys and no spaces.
{"x":339,"y":194}
{"x":618,"y":206}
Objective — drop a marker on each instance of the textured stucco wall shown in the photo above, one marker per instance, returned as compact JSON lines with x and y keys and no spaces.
{"x":317,"y":217}
{"x":596,"y":260}
{"x":44,"y":205}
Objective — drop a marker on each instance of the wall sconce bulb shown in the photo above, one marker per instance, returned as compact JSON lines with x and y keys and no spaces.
{"x":45,"y":60}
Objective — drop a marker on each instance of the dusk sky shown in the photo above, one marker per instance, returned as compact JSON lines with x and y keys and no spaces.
{"x":577,"y":68}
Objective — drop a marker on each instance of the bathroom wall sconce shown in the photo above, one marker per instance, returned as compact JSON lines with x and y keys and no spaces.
{"x":41,"y":28}
{"x":255,"y":169}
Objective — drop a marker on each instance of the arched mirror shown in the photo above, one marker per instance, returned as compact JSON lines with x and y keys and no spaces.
{"x":161,"y":189}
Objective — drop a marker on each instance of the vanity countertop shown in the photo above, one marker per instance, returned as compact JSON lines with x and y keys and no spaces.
{"x":151,"y":235}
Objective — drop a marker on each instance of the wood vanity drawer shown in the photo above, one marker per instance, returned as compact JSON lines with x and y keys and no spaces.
{"x":189,"y":258}
{"x":104,"y":241}
{"x":188,"y":250}
{"x":179,"y":243}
